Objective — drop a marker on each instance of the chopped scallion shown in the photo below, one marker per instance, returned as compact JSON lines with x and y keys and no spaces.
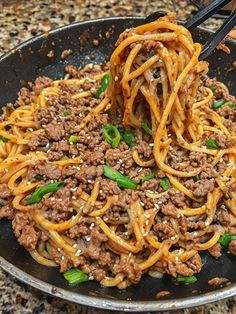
{"x":211,"y":143}
{"x":226,"y":238}
{"x":196,"y":178}
{"x":38,"y":177}
{"x":126,"y":183}
{"x":218,"y":104}
{"x":165,"y":183}
{"x":186,"y":279}
{"x":4,"y":139}
{"x":122,"y":180}
{"x":231,"y":105}
{"x":104,"y":84}
{"x":75,"y":276}
{"x":39,"y":193}
{"x":213,"y":88}
{"x":146,"y":128}
{"x":128,"y":137}
{"x":147,"y":178}
{"x":66,"y":113}
{"x":111,"y":135}
{"x":73,"y":139}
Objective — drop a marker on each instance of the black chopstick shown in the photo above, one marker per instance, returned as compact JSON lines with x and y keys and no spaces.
{"x":205,"y":13}
{"x":218,"y":36}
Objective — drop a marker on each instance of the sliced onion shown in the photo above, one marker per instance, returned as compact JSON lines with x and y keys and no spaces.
{"x":155,"y":274}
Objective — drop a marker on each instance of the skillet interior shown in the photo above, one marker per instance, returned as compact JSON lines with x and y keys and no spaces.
{"x":27,"y":62}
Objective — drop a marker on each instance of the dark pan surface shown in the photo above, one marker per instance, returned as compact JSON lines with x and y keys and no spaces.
{"x":27,"y":62}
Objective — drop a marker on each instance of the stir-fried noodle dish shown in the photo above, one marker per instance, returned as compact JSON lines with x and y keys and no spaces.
{"x":124,"y":169}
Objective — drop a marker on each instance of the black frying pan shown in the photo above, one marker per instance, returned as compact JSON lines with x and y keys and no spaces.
{"x":27,"y":62}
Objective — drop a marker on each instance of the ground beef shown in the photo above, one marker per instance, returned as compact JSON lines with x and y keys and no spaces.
{"x":190,"y":267}
{"x":224,"y":141}
{"x":5,"y":192}
{"x":25,"y":232}
{"x":54,"y":131}
{"x":215,"y":250}
{"x":130,"y":269}
{"x":40,"y":83}
{"x":7,"y":211}
{"x":169,"y":210}
{"x":217,"y":281}
{"x":201,"y":187}
{"x":38,"y":140}
{"x":232,"y":247}
{"x":46,"y":170}
{"x":163,"y":229}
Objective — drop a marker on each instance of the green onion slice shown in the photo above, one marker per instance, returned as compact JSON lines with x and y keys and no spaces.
{"x":128,"y":137}
{"x":165,"y":183}
{"x":122,"y":181}
{"x":213,"y":88}
{"x":196,"y":178}
{"x":73,"y":139}
{"x":211,"y":143}
{"x":104,"y":84}
{"x":218,"y":104}
{"x":185,"y":279}
{"x":66,"y":113}
{"x":226,"y":238}
{"x":4,"y":139}
{"x":231,"y":105}
{"x":147,"y":178}
{"x":126,"y":183}
{"x":108,"y":132}
{"x":146,"y":128}
{"x":38,"y":177}
{"x":75,"y":276}
{"x":39,"y":193}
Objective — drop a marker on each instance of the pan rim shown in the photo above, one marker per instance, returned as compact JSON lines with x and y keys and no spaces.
{"x":118,"y":305}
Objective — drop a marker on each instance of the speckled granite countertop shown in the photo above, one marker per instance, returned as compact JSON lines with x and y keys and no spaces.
{"x":22,"y":19}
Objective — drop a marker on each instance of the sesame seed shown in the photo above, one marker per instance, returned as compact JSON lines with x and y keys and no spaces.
{"x":52,"y":198}
{"x":159,"y":202}
{"x":140,"y":169}
{"x":73,"y":217}
{"x":75,"y":245}
{"x":59,"y":250}
{"x":146,"y":222}
{"x":59,"y":199}
{"x":172,"y":238}
{"x":176,"y":258}
{"x":151,"y":144}
{"x":78,"y":252}
{"x":51,"y":181}
{"x":6,"y":170}
{"x":28,"y":183}
{"x":141,"y":203}
{"x":88,"y":238}
{"x":195,"y":234}
{"x":149,"y":191}
{"x":207,"y":223}
{"x":73,"y":197}
{"x":73,"y":189}
{"x":62,"y":258}
{"x":89,"y":181}
{"x":156,"y":206}
{"x":91,"y":278}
